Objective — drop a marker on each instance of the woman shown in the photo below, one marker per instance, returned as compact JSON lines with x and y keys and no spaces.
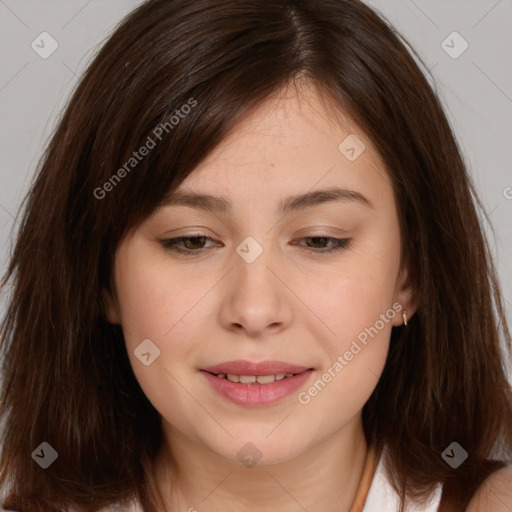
{"x":250,"y":274}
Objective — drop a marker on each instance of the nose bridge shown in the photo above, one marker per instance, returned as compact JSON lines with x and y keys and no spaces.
{"x":252,"y":269}
{"x":256,"y":298}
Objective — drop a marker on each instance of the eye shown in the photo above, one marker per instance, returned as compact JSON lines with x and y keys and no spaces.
{"x":191,"y":244}
{"x":338,"y":244}
{"x":194,"y":244}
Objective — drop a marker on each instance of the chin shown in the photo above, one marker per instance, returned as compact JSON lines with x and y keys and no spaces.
{"x":260,"y":450}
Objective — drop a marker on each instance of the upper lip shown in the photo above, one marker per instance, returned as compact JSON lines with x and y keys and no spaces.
{"x":241,"y":367}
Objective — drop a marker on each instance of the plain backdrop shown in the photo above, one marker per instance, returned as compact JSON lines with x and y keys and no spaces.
{"x":475,"y":86}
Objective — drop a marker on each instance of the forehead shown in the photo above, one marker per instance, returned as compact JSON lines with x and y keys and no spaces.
{"x":293,"y":143}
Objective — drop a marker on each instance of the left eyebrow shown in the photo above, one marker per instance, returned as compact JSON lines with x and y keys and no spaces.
{"x":220,"y":204}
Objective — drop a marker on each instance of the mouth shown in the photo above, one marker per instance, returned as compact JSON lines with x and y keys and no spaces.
{"x":251,"y":379}
{"x":256,"y":384}
{"x":241,"y":367}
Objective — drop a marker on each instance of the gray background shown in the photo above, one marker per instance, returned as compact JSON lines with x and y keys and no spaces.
{"x":476,"y":89}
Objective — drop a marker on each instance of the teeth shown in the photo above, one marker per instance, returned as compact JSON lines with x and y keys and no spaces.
{"x":249,"y":379}
{"x":265,"y":379}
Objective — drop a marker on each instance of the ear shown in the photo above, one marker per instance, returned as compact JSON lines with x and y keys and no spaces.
{"x":110,"y":308}
{"x":406,"y":295}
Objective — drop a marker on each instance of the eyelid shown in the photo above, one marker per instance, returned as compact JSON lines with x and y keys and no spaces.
{"x":339,"y":244}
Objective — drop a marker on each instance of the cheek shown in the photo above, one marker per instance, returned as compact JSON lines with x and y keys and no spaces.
{"x":359,"y":312}
{"x":154,"y":306}
{"x":356,"y":297}
{"x":361,"y":320}
{"x":158,"y":304}
{"x":153,"y":301}
{"x":357,"y":307}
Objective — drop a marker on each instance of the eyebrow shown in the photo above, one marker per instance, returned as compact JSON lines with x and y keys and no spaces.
{"x":223,"y":205}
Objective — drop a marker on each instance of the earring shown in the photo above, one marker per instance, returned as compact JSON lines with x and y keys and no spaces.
{"x":404,"y":315}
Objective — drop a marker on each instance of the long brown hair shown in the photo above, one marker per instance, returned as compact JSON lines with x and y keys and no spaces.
{"x":67,"y":379}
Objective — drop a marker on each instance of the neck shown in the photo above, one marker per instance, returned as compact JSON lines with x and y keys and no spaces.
{"x":324,"y":477}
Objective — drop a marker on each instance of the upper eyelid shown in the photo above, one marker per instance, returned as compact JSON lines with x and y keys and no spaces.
{"x":166,"y":241}
{"x":203,"y":235}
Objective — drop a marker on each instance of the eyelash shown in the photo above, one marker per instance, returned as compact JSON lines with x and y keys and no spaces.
{"x":170,"y":244}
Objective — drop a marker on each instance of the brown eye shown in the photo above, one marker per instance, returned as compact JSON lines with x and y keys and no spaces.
{"x":190,"y":245}
{"x":187,"y":245}
{"x":338,"y":244}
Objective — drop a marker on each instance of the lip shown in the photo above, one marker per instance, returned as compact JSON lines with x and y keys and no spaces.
{"x":242,"y":367}
{"x":255,"y":394}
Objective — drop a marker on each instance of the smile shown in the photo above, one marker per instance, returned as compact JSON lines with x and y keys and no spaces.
{"x":249,"y":379}
{"x":256,"y":390}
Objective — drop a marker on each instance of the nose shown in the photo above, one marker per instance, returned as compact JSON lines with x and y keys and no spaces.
{"x":256,"y":297}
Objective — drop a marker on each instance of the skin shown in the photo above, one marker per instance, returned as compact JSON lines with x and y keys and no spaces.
{"x":495,"y":494}
{"x":287,"y":305}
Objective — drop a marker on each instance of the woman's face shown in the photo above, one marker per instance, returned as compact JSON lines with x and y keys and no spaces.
{"x":249,"y":290}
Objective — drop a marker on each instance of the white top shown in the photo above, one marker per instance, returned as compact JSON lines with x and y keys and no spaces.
{"x":383,"y":498}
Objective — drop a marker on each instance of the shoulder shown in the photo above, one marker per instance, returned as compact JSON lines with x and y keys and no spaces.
{"x":495,"y":493}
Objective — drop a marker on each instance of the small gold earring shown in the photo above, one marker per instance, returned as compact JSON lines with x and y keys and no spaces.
{"x":404,"y":315}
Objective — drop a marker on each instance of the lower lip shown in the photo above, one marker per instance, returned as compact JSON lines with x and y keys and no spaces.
{"x":254,"y":394}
